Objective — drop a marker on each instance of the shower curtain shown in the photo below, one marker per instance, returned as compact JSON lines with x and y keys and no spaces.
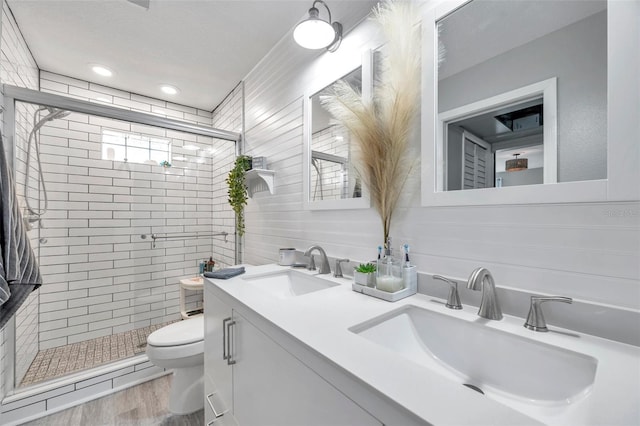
{"x":19,"y":271}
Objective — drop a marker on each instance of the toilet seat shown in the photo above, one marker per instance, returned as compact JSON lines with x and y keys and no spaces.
{"x":179,"y":333}
{"x":175,"y":352}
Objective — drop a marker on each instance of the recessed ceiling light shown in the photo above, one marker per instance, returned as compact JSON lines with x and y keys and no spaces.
{"x":102,"y":70}
{"x":190,"y":147}
{"x":169,"y":90}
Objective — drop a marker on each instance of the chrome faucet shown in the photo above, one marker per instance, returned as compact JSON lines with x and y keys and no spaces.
{"x":481,"y":279}
{"x":453,"y":300}
{"x":535,"y":319}
{"x":324,"y":262}
{"x":338,"y":271}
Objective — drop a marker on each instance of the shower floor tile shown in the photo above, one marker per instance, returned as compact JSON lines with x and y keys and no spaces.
{"x":56,"y":362}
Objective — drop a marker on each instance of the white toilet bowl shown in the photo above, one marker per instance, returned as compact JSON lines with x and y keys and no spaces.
{"x":180,"y":346}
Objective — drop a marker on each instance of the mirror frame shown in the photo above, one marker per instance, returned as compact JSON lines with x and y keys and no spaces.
{"x":623,"y":131}
{"x":344,"y":67}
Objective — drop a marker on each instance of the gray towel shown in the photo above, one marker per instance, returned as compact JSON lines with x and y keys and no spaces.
{"x":225,"y":274}
{"x":19,"y":272}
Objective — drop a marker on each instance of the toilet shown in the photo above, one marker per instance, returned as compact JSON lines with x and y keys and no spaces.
{"x":180,"y":347}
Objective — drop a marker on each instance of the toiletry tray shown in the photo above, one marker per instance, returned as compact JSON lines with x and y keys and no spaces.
{"x":384,"y":295}
{"x":410,"y":277}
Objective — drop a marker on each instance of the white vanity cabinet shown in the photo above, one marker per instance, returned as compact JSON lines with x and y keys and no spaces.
{"x":218,"y":396}
{"x":262,"y":383}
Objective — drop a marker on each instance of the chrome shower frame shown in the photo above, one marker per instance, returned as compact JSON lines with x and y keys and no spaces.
{"x":11,"y":94}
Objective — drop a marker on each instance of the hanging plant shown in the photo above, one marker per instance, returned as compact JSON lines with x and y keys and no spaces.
{"x":238,"y":190}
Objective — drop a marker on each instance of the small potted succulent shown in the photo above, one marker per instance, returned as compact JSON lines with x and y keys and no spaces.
{"x":365,"y":274}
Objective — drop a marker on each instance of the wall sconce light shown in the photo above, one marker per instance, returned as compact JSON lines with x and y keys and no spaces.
{"x":516,"y":164}
{"x":316,"y":33}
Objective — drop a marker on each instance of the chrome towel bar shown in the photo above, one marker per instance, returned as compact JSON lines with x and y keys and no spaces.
{"x":180,"y":236}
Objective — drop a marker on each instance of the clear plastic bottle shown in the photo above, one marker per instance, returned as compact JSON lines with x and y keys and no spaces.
{"x":389,"y":272}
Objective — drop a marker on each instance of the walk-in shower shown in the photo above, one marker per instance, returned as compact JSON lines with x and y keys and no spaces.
{"x":92,"y":179}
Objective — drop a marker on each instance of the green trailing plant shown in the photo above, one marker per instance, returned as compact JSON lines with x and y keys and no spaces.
{"x":369,"y":268}
{"x":238,"y":190}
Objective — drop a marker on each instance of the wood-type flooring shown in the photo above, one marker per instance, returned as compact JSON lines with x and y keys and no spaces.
{"x":142,"y":405}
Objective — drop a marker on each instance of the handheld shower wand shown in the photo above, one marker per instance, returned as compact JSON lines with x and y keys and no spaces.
{"x":34,"y":214}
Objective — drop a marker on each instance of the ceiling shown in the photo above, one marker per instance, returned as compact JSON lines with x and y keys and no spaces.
{"x":202,"y":47}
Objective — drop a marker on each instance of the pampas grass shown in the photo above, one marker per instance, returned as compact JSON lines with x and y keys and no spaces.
{"x":382,"y":126}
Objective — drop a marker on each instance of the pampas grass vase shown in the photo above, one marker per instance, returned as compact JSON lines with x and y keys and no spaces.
{"x":381,"y":127}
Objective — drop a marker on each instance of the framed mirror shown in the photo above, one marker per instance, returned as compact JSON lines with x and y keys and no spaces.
{"x":331,"y":180}
{"x":333,"y":176}
{"x":518,"y":102}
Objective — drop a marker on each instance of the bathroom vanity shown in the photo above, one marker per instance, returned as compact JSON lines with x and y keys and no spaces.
{"x":261,"y":382}
{"x":284,"y":346}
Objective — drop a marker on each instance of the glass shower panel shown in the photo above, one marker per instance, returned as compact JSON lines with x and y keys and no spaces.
{"x":109,"y":183}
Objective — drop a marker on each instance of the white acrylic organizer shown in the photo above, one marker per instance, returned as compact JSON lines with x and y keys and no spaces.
{"x":410,"y":278}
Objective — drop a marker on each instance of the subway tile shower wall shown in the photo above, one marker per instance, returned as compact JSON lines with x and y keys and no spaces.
{"x":100,"y":276}
{"x":229,"y":115}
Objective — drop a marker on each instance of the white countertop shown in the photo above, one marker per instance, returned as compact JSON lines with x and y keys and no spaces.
{"x":321,"y":320}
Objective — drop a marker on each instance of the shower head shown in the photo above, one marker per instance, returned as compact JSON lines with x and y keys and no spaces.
{"x":55,"y":113}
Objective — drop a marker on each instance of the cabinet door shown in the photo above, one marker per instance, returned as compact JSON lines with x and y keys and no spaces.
{"x":216,"y":368}
{"x":272,"y":387}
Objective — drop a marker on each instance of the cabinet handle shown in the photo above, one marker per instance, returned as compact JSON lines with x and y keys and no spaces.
{"x":213,"y":408}
{"x":230,"y":324}
{"x":224,"y":338}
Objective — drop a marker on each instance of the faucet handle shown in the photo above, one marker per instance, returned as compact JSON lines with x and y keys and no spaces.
{"x":338,"y":271}
{"x":312,"y":263}
{"x":453,"y":301}
{"x":535,"y":318}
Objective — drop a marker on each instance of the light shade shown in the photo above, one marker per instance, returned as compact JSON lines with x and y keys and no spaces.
{"x":516,"y":164}
{"x":316,"y":33}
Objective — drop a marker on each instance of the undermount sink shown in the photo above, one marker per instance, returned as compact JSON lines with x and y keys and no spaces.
{"x":498,"y":363}
{"x":288,"y":283}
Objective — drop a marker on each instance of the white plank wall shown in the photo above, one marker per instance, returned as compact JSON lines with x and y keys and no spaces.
{"x":588,"y":251}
